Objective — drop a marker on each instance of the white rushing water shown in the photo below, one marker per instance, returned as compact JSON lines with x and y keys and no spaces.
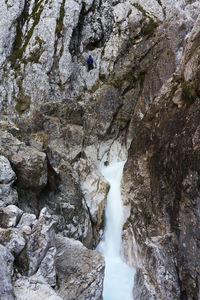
{"x":118,"y":281}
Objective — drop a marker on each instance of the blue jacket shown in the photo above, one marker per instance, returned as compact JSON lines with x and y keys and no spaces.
{"x":90,"y":60}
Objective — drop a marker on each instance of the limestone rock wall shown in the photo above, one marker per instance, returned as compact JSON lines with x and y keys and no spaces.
{"x":58,"y":122}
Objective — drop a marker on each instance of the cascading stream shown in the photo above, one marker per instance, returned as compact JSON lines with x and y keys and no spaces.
{"x":119,"y":278}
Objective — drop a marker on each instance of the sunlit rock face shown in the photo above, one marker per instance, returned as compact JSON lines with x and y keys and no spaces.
{"x":58,"y":122}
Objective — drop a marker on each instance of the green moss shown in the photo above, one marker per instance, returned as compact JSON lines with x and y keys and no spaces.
{"x":189,"y":94}
{"x":20,"y":44}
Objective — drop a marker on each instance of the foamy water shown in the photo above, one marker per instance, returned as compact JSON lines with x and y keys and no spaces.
{"x":119,"y":277}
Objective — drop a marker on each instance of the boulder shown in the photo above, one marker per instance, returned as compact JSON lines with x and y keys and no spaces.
{"x":29,"y":164}
{"x":80,"y":271}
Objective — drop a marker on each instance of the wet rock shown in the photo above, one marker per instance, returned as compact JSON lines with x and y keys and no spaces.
{"x":6,"y":271}
{"x":94,"y":188}
{"x":80,"y":271}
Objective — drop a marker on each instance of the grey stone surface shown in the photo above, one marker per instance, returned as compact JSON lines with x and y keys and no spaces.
{"x":8,"y":195}
{"x":30,"y":289}
{"x":38,"y":244}
{"x":80,"y":271}
{"x":6,"y":272}
{"x":65,"y":120}
{"x":7,"y":174}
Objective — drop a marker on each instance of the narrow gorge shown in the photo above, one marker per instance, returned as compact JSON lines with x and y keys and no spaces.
{"x":63,"y":128}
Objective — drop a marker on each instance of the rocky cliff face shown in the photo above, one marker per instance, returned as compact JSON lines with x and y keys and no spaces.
{"x":59,"y":121}
{"x":162,"y":185}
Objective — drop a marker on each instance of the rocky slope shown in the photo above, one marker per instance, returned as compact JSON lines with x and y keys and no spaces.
{"x":59,"y":121}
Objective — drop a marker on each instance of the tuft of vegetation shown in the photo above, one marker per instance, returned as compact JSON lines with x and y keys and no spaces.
{"x":189,"y":93}
{"x":140,"y":8}
{"x":148,"y":29}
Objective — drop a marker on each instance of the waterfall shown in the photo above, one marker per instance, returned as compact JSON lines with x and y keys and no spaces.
{"x":118,"y":281}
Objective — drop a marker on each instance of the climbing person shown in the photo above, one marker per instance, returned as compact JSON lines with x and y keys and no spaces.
{"x":90,"y":62}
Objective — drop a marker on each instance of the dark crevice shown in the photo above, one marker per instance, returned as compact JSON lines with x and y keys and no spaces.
{"x":51,"y":187}
{"x":94,"y":227}
{"x":77,"y":32}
